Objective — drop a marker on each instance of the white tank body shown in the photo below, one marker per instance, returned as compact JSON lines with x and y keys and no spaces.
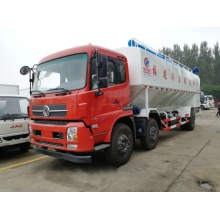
{"x":159,"y":82}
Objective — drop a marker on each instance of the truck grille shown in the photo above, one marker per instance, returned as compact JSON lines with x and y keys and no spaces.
{"x":51,"y":122}
{"x":9,"y":138}
{"x":54,"y":110}
{"x":49,"y":144}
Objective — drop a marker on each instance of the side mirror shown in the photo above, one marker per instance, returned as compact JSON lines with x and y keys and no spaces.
{"x":102,"y":83}
{"x":25,"y":70}
{"x":102,"y":66}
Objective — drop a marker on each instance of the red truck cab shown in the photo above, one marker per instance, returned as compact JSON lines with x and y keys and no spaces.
{"x":80,"y":96}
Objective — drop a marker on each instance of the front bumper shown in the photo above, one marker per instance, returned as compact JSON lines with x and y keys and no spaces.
{"x":13,"y":142}
{"x":64,"y":155}
{"x":43,"y":135}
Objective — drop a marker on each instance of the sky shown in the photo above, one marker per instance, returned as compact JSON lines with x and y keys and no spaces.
{"x":30,"y":29}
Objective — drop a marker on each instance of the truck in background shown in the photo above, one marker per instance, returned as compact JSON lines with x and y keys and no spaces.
{"x":9,"y":89}
{"x":90,"y":98}
{"x":13,"y":119}
{"x":207,"y":101}
{"x":25,"y":92}
{"x":211,"y":101}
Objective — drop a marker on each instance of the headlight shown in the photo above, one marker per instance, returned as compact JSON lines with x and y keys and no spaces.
{"x":72,"y":134}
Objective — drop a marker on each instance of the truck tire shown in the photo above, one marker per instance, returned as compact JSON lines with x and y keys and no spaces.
{"x":202,"y":107}
{"x":25,"y":147}
{"x":150,"y":141}
{"x":191,"y":124}
{"x":121,"y":145}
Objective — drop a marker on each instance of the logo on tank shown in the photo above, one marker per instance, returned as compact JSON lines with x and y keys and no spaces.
{"x":146,"y":68}
{"x":146,"y":62}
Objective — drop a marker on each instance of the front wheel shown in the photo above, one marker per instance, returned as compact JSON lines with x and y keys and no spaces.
{"x":121,"y":146}
{"x":150,"y":141}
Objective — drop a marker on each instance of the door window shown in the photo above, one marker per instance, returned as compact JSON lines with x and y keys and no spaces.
{"x":115,"y":72}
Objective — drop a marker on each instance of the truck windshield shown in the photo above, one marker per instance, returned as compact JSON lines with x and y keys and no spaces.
{"x":64,"y":73}
{"x":13,"y":107}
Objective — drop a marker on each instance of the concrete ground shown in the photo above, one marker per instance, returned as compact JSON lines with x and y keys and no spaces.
{"x":182,"y":162}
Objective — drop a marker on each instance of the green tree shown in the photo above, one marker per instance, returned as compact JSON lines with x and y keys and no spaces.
{"x":167,"y":51}
{"x":216,"y":64}
{"x":186,"y":56}
{"x":194,"y":56}
{"x":176,"y":53}
{"x":205,"y":62}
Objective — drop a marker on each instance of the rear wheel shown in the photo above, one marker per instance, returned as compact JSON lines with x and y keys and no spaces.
{"x":191,"y":124}
{"x":121,"y":146}
{"x":150,"y":141}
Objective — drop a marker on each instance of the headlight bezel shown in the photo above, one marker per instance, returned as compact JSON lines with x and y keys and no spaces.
{"x":72,"y":134}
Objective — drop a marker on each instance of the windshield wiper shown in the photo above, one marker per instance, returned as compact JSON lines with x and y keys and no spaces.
{"x":38,"y":91}
{"x":62,"y":90}
{"x":12,"y":116}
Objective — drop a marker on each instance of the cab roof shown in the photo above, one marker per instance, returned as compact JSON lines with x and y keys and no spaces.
{"x":82,"y":49}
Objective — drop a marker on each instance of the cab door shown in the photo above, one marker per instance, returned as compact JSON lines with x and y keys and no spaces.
{"x":108,"y":106}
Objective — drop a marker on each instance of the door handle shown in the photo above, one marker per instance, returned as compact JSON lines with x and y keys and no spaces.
{"x":116,"y":101}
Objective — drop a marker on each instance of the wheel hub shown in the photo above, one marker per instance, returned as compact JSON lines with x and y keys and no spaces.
{"x":123,"y":144}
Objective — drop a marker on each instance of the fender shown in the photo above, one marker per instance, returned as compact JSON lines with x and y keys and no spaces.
{"x":123,"y":116}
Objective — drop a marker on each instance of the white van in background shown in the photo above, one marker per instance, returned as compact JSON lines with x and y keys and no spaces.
{"x":25,"y":92}
{"x":13,"y":119}
{"x":211,"y":101}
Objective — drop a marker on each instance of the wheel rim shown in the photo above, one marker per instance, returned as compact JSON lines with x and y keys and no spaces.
{"x":153,"y":134}
{"x":124,"y":143}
